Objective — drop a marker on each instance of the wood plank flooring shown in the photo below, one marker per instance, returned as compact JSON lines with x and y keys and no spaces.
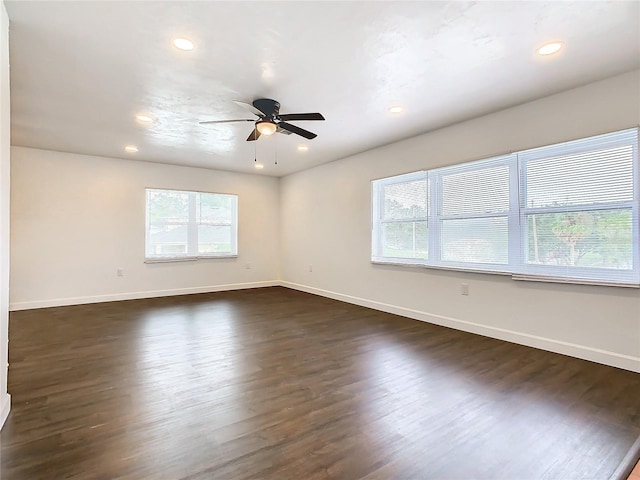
{"x":277,"y":384}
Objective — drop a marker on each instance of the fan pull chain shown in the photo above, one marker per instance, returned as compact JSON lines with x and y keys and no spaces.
{"x":276,"y":150}
{"x":255,"y":148}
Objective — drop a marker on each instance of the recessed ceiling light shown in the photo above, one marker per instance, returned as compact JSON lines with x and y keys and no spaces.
{"x":267,"y":71}
{"x":144,"y":118}
{"x":303,"y":148}
{"x":549,"y":48}
{"x":395,"y":109}
{"x":183,"y":44}
{"x":258,"y":166}
{"x":131,"y":149}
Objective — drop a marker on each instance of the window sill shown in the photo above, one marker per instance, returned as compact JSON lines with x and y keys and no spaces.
{"x":573,"y":281}
{"x":399,"y":263}
{"x":514,"y":276}
{"x":186,"y":259}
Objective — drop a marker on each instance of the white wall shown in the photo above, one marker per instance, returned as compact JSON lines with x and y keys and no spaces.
{"x":5,"y":136}
{"x":326,"y":223}
{"x":75,"y":219}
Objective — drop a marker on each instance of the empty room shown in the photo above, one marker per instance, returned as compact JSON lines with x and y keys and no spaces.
{"x":309,"y":240}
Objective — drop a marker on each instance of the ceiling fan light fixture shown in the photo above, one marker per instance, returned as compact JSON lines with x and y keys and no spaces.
{"x":266,"y":127}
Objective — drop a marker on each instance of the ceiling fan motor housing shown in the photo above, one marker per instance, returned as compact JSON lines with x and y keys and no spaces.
{"x":269,"y":107}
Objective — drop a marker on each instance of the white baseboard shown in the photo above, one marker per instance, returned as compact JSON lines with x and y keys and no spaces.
{"x":5,"y":408}
{"x":60,"y":302}
{"x":604,"y":357}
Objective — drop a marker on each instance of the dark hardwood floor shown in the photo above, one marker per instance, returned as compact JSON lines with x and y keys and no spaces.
{"x":277,"y":384}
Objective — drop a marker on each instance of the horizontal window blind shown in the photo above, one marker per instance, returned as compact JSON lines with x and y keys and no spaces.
{"x":600,"y":176}
{"x":475,"y":240}
{"x":473,"y":220}
{"x":478,"y":189}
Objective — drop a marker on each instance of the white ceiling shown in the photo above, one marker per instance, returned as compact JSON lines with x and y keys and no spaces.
{"x":80,"y":71}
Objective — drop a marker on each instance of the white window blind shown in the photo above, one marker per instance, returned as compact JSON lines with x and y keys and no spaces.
{"x":579,"y":208}
{"x":473,"y":219}
{"x":183,"y":225}
{"x":400,"y":209}
{"x":565,"y":212}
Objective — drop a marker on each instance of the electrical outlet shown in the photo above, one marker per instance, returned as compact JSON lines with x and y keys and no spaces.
{"x":311,"y":268}
{"x":120,"y":272}
{"x":464,"y":289}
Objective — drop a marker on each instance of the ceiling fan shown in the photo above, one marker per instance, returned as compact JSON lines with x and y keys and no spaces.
{"x":270,"y":120}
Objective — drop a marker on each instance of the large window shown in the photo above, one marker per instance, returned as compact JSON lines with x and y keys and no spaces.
{"x":182,"y":225}
{"x":567,"y":212}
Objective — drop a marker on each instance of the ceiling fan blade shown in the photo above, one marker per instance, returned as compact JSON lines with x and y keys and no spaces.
{"x":227,"y":121}
{"x":255,"y":134}
{"x":301,"y":116}
{"x":297,"y":130}
{"x":250,"y":107}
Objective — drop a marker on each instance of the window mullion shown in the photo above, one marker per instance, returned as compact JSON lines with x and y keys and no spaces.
{"x":234,"y":228}
{"x":192,"y":235}
{"x":434,"y":218}
{"x":515,"y":226}
{"x":376,"y":202}
{"x":464,"y":216}
{"x":401,"y":220}
{"x":635,"y":209}
{"x":579,"y":208}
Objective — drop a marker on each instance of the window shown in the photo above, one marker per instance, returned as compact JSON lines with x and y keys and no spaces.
{"x":567,"y":212}
{"x":578,"y":209}
{"x":401,"y":210}
{"x":183,"y":224}
{"x":472,"y":214}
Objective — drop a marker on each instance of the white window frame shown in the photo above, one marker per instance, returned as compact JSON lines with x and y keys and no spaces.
{"x":192,"y":229}
{"x":438,"y":217}
{"x":579,"y":274}
{"x":517,"y":265}
{"x":380,"y":221}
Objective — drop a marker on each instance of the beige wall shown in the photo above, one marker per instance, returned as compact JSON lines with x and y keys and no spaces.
{"x":76,"y":219}
{"x":326,"y":224}
{"x":5,"y":136}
